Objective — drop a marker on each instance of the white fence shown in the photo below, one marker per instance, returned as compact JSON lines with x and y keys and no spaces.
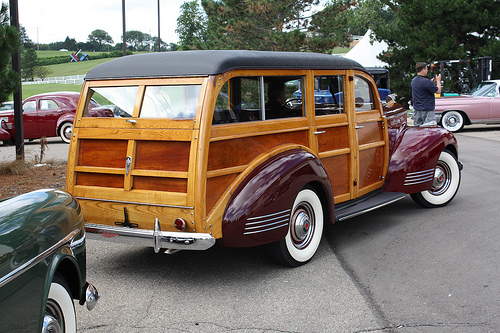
{"x":74,"y":79}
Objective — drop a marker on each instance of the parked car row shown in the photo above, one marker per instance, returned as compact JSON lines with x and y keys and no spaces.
{"x":49,"y":115}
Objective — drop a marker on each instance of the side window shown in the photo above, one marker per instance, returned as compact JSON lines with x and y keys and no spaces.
{"x":329,"y":95}
{"x":48,"y":104}
{"x":29,"y":106}
{"x":284,"y":97}
{"x":257,"y":98}
{"x":363,"y":95}
{"x":250,"y":92}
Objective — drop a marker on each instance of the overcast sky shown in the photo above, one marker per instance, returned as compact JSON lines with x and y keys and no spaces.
{"x":48,"y":21}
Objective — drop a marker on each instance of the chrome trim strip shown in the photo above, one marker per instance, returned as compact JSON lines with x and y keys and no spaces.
{"x":419,"y":177}
{"x":257,"y":231}
{"x":152,"y":238}
{"x":269,"y":215}
{"x":40,"y":257}
{"x":268,"y":222}
{"x":286,"y":215}
{"x":134,"y":203}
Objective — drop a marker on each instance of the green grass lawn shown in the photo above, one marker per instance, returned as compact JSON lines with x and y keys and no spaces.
{"x":75,"y":68}
{"x":35,"y":89}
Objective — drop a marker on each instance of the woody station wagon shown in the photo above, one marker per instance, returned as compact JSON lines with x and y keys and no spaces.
{"x":234,"y":147}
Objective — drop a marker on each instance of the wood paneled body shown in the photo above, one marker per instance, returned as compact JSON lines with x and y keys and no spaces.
{"x":189,"y":168}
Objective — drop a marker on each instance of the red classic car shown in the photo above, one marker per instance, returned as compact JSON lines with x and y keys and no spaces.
{"x":49,"y":115}
{"x":482,"y":106}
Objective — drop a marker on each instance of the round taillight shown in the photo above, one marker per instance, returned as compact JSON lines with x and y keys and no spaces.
{"x":180,"y":224}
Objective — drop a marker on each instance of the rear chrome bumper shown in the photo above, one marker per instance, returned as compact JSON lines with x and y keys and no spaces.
{"x":154,"y":238}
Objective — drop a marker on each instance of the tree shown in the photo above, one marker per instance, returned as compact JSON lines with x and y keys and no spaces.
{"x":279,"y":25}
{"x":9,"y":43}
{"x":42,"y":72}
{"x":190,"y":25}
{"x":135,"y":39}
{"x":451,"y":29}
{"x":100,"y":37}
{"x":69,"y":43}
{"x":330,"y":27}
{"x":29,"y":61}
{"x":25,"y":40}
{"x":257,"y":24}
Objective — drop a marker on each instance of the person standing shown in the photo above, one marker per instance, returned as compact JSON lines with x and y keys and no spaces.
{"x":423,"y":90}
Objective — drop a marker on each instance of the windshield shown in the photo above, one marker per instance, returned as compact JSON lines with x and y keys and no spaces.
{"x":169,"y":101}
{"x":485,"y":89}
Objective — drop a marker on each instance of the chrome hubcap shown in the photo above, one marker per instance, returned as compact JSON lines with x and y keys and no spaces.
{"x":67,"y":132}
{"x":442,"y":179}
{"x":302,"y":226}
{"x":54,"y":317}
{"x":51,"y":325}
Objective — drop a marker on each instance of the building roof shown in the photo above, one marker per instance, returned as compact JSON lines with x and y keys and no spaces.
{"x":213,"y":62}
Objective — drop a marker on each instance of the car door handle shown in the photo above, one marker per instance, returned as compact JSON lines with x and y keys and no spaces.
{"x":358,"y":127}
{"x":319,"y":132}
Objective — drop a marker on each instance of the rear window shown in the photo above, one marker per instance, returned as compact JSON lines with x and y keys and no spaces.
{"x":169,"y":101}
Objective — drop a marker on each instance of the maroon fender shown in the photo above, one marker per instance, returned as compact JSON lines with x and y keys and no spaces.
{"x":68,"y":117}
{"x":414,"y":155}
{"x":259,"y":210}
{"x":4,"y":135}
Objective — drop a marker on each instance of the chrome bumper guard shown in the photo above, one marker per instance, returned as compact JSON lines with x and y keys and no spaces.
{"x":91,"y":296}
{"x":156,"y":238}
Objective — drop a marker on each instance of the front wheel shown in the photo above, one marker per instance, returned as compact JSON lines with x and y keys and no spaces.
{"x":447,"y":176}
{"x":304,"y":233}
{"x":65,"y":132}
{"x":453,"y":121}
{"x":60,"y":313}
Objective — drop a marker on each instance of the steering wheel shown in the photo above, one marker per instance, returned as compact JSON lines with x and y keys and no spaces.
{"x":293,"y":103}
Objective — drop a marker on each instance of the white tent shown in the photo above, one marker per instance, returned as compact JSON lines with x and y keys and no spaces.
{"x":366,"y":53}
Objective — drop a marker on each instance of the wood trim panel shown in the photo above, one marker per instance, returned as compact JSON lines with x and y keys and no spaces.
{"x":142,"y":196}
{"x":93,"y":169}
{"x":257,"y":128}
{"x":237,"y":152}
{"x":135,"y":134}
{"x":143,"y":215}
{"x":335,"y":153}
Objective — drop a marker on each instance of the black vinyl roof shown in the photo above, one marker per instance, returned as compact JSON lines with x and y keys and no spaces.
{"x":212,"y":62}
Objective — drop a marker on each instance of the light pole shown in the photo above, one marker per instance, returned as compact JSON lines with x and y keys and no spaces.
{"x":124,"y":30}
{"x":18,"y":97}
{"x":159,"y":39}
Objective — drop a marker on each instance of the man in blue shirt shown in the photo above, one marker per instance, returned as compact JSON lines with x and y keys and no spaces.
{"x":423,"y":90}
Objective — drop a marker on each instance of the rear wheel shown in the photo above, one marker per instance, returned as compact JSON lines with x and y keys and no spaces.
{"x":60,"y":316}
{"x":446,"y":182}
{"x":453,"y":121}
{"x":65,"y":132}
{"x":305,"y":231}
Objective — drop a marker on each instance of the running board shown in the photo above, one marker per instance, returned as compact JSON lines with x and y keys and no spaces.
{"x":363,"y":205}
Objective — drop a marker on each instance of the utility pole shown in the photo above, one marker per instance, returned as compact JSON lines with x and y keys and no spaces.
{"x":124,"y":30}
{"x":159,"y":39}
{"x":18,"y":97}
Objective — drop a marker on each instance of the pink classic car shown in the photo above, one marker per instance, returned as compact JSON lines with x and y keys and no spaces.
{"x":49,"y":115}
{"x":482,"y":106}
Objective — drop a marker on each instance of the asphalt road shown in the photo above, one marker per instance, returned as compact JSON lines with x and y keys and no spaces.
{"x":57,"y":151}
{"x":401,"y":268}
